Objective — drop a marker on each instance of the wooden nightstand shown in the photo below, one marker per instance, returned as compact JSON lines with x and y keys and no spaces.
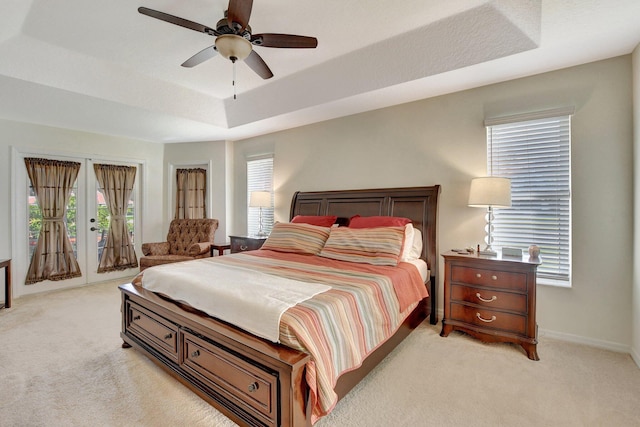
{"x":246,"y":243}
{"x":492,"y":299}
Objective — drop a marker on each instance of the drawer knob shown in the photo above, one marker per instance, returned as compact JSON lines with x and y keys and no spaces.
{"x":494,"y":277}
{"x":244,"y":247}
{"x":485,"y":320}
{"x":478,"y":275}
{"x":136,"y":317}
{"x":253,"y":387}
{"x":168,"y":336}
{"x":492,"y":299}
{"x":195,"y":354}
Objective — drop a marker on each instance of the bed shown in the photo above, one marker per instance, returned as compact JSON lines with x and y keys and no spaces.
{"x":250,"y":379}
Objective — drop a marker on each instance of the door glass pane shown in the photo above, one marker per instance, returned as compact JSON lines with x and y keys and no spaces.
{"x":131,"y":215}
{"x":104,"y":218}
{"x":102,"y":221}
{"x":35,"y":219}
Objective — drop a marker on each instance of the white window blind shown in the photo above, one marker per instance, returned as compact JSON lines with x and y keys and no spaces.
{"x":536,"y":156}
{"x":259,"y":178}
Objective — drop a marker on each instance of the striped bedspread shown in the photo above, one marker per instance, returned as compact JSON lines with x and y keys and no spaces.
{"x":341,"y":327}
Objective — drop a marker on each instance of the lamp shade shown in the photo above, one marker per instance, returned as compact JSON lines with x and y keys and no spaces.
{"x":260,"y":199}
{"x":490,"y":191}
{"x":232,"y":46}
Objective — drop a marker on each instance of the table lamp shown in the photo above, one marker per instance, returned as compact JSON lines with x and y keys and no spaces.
{"x":260,"y":199}
{"x":490,"y":192}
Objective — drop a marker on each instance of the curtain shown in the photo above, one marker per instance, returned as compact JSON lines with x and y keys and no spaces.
{"x":191,"y":190}
{"x":53,"y":258}
{"x":116,"y":184}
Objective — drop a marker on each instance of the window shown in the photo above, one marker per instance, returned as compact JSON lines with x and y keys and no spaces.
{"x":535,"y":153}
{"x":259,"y":178}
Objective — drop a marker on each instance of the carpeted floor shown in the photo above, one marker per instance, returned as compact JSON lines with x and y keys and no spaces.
{"x":61,"y":364}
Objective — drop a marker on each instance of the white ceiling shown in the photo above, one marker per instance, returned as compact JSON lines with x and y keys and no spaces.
{"x":100,"y":66}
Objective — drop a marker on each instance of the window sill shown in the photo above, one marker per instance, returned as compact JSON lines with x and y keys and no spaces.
{"x":553,"y":282}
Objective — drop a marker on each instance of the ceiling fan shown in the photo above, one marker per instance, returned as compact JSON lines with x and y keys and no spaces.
{"x":234,"y":39}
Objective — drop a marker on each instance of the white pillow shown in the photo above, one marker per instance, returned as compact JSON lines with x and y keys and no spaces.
{"x":408,"y":242}
{"x":412,"y":248}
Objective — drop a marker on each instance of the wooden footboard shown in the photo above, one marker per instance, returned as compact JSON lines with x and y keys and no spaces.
{"x":250,"y":380}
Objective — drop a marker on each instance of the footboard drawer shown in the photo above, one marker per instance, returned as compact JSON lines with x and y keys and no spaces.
{"x":247,"y":386}
{"x":147,"y":325}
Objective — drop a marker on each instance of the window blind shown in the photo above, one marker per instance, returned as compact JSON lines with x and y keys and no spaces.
{"x":259,"y":178}
{"x":536,"y":156}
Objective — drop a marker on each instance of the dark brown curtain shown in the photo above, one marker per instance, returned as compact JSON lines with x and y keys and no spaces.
{"x":53,"y":258}
{"x":116,"y":184}
{"x":191,"y":190}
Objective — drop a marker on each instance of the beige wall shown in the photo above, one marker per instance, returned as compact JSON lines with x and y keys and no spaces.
{"x":442,"y":141}
{"x":635,"y":341}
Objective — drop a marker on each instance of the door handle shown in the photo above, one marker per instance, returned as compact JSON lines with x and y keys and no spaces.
{"x":94,"y":229}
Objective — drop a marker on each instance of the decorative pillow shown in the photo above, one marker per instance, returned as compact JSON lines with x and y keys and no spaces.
{"x":322,"y":221}
{"x":358,"y":221}
{"x":296,"y":238}
{"x":377,"y":246}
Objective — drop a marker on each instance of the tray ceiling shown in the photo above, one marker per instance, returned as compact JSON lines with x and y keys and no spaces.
{"x":103,"y":67}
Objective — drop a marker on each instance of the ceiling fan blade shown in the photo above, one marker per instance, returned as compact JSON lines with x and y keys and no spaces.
{"x":239,"y":12}
{"x":178,"y":21}
{"x":200,"y":57}
{"x":257,"y":64}
{"x":284,"y":40}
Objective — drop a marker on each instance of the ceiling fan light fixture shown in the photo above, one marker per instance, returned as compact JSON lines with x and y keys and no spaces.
{"x":232,"y":46}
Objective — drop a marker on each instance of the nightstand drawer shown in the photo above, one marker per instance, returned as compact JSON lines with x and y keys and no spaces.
{"x":492,"y":278}
{"x":490,"y":298}
{"x":245,"y":243}
{"x":489,"y":318}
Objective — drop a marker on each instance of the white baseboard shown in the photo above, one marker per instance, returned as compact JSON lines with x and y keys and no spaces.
{"x":578,"y":339}
{"x":635,"y":356}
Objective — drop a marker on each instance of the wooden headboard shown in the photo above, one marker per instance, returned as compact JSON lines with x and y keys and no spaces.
{"x":420,"y":204}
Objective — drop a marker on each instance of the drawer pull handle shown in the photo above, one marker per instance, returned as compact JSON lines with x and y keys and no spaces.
{"x":136,"y":317}
{"x":168,"y":336}
{"x":244,"y":247}
{"x":478,"y":275}
{"x":485,"y":320}
{"x":494,"y":277}
{"x":493,"y":298}
{"x":253,"y":387}
{"x":195,"y":354}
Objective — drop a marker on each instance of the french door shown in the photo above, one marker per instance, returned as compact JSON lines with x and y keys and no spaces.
{"x":99,"y":219}
{"x":87,"y":223}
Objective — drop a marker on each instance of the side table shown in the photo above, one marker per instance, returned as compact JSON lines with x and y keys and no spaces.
{"x":492,"y":299}
{"x":220,"y":247}
{"x":6,"y":264}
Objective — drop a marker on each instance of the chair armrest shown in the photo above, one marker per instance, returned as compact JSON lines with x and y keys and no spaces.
{"x":157,"y":248}
{"x":199,"y":249}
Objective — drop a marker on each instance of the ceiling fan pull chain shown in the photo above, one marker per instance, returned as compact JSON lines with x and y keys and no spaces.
{"x":234,"y":80}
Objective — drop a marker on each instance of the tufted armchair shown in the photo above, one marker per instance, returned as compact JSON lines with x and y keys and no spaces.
{"x":187,"y":239}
